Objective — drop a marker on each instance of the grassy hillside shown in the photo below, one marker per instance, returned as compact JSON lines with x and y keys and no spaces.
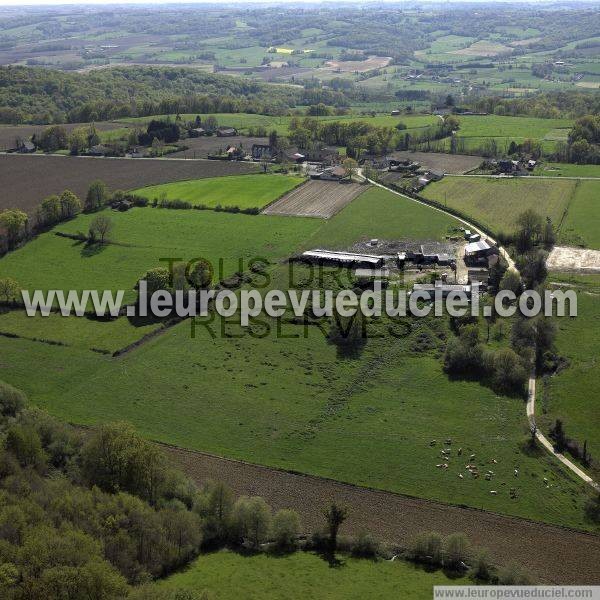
{"x":303,"y":576}
{"x":141,"y":237}
{"x":570,"y":395}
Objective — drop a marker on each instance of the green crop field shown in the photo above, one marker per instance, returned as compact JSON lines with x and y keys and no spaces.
{"x":570,"y":394}
{"x":244,"y":191}
{"x":580,"y":225}
{"x":496,"y":203}
{"x":302,"y":576}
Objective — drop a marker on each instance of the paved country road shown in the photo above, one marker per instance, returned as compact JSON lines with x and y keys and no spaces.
{"x":551,"y":554}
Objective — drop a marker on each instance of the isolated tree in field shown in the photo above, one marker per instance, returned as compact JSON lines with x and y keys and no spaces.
{"x":14,"y":222}
{"x":509,"y":373}
{"x":511,"y":281}
{"x":96,"y":197}
{"x":93,"y":139}
{"x":211,"y":123}
{"x":350,"y":166}
{"x":217,"y":512}
{"x":9,"y":288}
{"x":456,"y":550}
{"x":78,"y":140}
{"x":264,"y":163}
{"x":53,"y":138}
{"x":252,"y":520}
{"x":286,"y":525}
{"x":529,"y":229}
{"x":335,"y":515}
{"x":50,"y":210}
{"x":100,"y":227}
{"x":70,"y":204}
{"x":273,"y":139}
{"x":557,"y":433}
{"x":548,"y":234}
{"x":200,"y":275}
{"x":157,"y":279}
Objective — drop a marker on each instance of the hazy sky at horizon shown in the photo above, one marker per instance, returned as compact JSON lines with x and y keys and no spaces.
{"x":14,"y":3}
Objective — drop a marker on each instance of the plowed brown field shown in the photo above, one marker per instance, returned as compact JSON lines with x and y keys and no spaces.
{"x":551,"y":554}
{"x":26,"y":179}
{"x":316,"y":199}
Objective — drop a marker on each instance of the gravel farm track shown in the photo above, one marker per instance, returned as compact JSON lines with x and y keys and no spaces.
{"x":315,"y":198}
{"x":553,"y":555}
{"x":26,"y":180}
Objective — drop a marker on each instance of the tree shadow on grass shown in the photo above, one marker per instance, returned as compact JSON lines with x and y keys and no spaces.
{"x":331,"y":559}
{"x":93,"y":249}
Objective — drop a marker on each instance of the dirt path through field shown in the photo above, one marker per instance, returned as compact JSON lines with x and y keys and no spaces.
{"x":551,"y":554}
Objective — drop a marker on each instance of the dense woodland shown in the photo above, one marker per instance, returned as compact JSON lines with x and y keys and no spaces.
{"x":35,"y":95}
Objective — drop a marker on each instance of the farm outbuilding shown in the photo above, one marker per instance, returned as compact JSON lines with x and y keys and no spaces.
{"x":478,"y":249}
{"x":343,"y":258}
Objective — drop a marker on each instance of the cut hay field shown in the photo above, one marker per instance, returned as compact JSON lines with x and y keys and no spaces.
{"x":572,"y":395}
{"x":26,"y":180}
{"x":304,"y":576}
{"x":496,"y":203}
{"x":244,"y":191}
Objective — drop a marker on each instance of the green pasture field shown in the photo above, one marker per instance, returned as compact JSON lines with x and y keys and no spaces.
{"x":496,"y":203}
{"x":245,"y":191}
{"x":291,"y":402}
{"x":378,"y":213}
{"x":571,"y":395}
{"x":243,"y":121}
{"x":303,"y":576}
{"x":296,"y":403}
{"x":141,"y":237}
{"x":81,"y":332}
{"x":581,"y":223}
{"x":550,"y":169}
{"x":510,"y":127}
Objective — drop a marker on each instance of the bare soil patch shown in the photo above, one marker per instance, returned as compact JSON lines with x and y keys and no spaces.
{"x":397,"y":518}
{"x":316,"y":198}
{"x":482,"y":48}
{"x":360,"y":66}
{"x":577,"y":260}
{"x":26,"y":179}
{"x":438,"y":161}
